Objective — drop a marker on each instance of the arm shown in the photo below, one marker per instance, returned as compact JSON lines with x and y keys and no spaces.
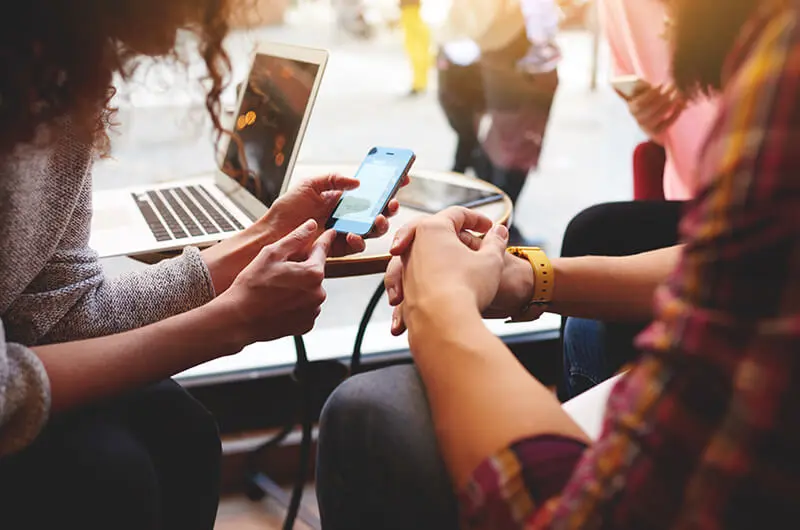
{"x":611,"y":288}
{"x":278,"y":294}
{"x":71,"y":298}
{"x":54,"y":378}
{"x":605,"y":288}
{"x":476,"y":416}
{"x":83,"y":371}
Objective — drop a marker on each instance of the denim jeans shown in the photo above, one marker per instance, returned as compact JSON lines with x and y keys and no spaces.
{"x":585,"y":357}
{"x":379,"y":466}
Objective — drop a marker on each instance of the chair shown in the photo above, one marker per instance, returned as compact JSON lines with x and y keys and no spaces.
{"x":649,"y":160}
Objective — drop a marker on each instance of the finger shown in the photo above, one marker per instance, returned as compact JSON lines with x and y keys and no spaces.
{"x":457,"y":217}
{"x":645,"y":98}
{"x":470,"y":239}
{"x":380,"y":227}
{"x":332,"y":182}
{"x":391,"y":208}
{"x":656,"y":111}
{"x":393,"y":281}
{"x":355,"y":243}
{"x":398,"y":324}
{"x":321,"y":250}
{"x":331,"y":198}
{"x":297,"y":242}
{"x":404,"y":237}
{"x":495,"y":240}
{"x":466,"y":219}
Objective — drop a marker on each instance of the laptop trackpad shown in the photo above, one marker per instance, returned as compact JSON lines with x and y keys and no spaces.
{"x":116,"y":211}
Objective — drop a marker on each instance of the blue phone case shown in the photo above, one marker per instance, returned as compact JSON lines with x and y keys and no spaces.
{"x":385,"y":168}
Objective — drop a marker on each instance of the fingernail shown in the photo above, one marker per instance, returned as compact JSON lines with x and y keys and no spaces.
{"x":391,"y":292}
{"x":310,"y":225}
{"x":395,"y":322}
{"x":501,"y":231}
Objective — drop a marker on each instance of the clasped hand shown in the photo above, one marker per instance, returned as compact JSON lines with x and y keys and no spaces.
{"x":439,"y":258}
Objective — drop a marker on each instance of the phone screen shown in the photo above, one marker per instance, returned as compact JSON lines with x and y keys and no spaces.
{"x":379,"y":176}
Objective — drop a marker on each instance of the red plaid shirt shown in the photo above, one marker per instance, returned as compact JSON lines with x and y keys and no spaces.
{"x":705,"y":431}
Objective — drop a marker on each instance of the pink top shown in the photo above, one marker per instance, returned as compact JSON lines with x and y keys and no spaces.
{"x":634,"y":30}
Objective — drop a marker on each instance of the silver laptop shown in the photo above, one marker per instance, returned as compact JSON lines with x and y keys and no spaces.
{"x":255,"y":167}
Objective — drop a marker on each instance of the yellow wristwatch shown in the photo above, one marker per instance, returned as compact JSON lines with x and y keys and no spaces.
{"x":543,"y":282}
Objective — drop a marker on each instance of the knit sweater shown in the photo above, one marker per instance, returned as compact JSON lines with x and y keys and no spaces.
{"x":52,"y":287}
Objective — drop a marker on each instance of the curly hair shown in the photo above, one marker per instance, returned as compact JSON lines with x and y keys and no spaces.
{"x":58,"y":59}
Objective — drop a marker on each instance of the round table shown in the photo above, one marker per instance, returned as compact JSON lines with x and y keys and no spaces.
{"x":376,"y":256}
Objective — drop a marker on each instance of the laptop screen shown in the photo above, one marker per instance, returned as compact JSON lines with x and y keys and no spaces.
{"x":268,"y":123}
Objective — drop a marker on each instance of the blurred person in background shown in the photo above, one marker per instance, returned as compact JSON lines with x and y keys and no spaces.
{"x":638,"y":36}
{"x":541,"y":25}
{"x":417,"y":42}
{"x":638,"y":33}
{"x":463,"y":101}
{"x":517,"y":103}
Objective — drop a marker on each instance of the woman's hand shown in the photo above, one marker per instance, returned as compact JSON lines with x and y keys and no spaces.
{"x":516,"y":279}
{"x":438,"y":264}
{"x":655,"y":109}
{"x":280,"y":292}
{"x":313,"y":199}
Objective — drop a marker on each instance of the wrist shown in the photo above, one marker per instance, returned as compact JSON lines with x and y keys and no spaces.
{"x":440,"y":310}
{"x":435,"y":327}
{"x":226,"y":259}
{"x":523,"y":277}
{"x":223,"y":316}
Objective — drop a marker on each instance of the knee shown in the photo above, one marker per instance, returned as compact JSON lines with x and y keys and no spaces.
{"x":183,"y":419}
{"x":352,"y":403}
{"x":585,"y":230}
{"x":374,"y":406}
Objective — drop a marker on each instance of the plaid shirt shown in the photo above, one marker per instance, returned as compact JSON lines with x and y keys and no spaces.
{"x":705,"y":431}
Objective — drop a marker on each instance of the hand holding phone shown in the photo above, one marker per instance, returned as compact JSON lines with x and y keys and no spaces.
{"x":380,"y":176}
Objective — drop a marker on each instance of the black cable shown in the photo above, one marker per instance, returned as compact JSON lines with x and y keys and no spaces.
{"x":355,"y":360}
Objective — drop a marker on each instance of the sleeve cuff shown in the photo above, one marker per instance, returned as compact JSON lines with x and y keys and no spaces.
{"x":507,"y":489}
{"x":25,"y":400}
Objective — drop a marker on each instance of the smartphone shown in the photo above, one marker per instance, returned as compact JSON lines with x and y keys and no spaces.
{"x":628,"y":85}
{"x":380,"y":176}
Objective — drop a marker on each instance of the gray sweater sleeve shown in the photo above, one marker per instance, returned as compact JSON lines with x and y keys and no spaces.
{"x":25,"y":395}
{"x":72,"y":299}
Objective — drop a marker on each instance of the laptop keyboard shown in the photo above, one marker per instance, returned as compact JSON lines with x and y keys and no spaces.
{"x":186,"y":211}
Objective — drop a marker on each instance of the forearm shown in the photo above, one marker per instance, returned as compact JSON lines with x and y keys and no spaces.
{"x":481,"y":398}
{"x":611,"y":288}
{"x":84,"y":371}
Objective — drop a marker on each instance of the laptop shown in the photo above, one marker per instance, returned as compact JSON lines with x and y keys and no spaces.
{"x":256,"y":164}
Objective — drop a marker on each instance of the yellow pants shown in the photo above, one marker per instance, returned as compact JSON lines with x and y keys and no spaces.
{"x":418,"y":45}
